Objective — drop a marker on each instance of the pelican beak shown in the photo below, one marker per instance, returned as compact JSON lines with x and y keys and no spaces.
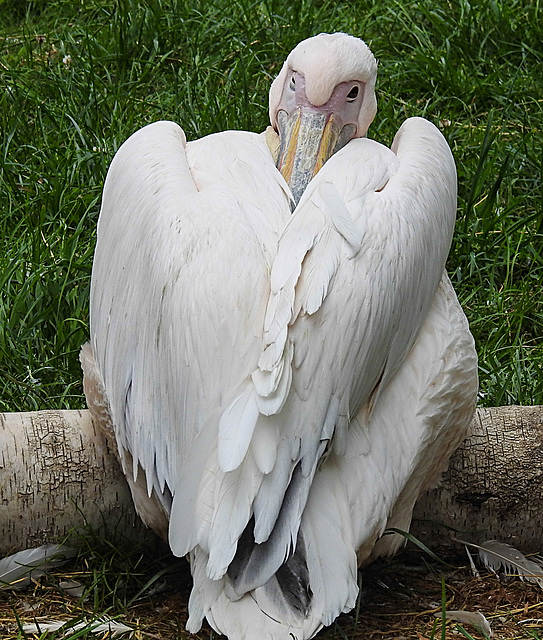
{"x":308,"y":138}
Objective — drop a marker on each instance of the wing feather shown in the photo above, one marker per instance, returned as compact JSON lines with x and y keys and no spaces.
{"x":236,"y":427}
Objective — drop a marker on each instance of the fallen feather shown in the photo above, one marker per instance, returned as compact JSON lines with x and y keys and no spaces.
{"x":534,"y":621}
{"x":72,"y":588}
{"x":17,"y":570}
{"x":474,"y":571}
{"x":498,"y":555}
{"x":98,"y":625}
{"x":475,"y":619}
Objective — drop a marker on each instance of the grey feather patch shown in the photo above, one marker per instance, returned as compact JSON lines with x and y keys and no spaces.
{"x":254,"y":564}
{"x":292,"y":577}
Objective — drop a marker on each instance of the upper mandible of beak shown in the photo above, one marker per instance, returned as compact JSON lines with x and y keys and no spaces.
{"x":309,"y":136}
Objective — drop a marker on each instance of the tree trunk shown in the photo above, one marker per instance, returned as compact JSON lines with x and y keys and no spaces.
{"x":57,"y":475}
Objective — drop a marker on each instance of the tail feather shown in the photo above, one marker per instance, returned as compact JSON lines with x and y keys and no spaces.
{"x":193,"y":497}
{"x":293,"y":580}
{"x":205,"y":592}
{"x":270,"y":497}
{"x":235,"y":494}
{"x":331,"y":556}
{"x":280,"y":609}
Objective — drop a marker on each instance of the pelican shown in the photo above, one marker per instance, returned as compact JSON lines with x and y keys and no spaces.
{"x":275,"y":347}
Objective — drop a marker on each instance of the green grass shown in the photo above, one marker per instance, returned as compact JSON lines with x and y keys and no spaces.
{"x":76,"y":78}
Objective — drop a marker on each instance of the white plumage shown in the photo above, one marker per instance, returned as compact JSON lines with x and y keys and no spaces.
{"x":282,"y":380}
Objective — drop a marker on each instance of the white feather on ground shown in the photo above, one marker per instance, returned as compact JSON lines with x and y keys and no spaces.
{"x":498,"y":556}
{"x":18,"y":570}
{"x":103,"y":624}
{"x":474,"y":618}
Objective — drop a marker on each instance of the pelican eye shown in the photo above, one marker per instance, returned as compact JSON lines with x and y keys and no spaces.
{"x":292,"y":84}
{"x":353,"y":93}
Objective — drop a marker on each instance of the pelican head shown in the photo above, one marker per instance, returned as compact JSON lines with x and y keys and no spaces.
{"x":323,"y":97}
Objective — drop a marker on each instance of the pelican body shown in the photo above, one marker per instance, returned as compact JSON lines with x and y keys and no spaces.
{"x":276,"y":349}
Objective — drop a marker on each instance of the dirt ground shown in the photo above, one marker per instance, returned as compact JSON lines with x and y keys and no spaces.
{"x":399,"y":599}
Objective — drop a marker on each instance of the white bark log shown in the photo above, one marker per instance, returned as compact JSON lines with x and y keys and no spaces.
{"x":58,"y":475}
{"x":493,"y":488}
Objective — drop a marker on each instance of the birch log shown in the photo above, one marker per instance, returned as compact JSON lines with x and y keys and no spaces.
{"x":493,"y":488}
{"x":57,"y":475}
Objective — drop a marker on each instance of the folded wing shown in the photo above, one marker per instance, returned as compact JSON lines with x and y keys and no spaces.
{"x":186,"y":236}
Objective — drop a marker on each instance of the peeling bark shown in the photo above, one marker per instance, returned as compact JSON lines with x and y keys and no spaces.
{"x":58,"y":475}
{"x":493,"y":488}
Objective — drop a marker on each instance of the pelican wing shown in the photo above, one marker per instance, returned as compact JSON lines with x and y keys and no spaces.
{"x":356,"y":270}
{"x":364,"y":253}
{"x":186,"y":236}
{"x":375,"y":228}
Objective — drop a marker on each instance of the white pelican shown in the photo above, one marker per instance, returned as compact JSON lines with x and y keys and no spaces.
{"x":279,"y":353}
